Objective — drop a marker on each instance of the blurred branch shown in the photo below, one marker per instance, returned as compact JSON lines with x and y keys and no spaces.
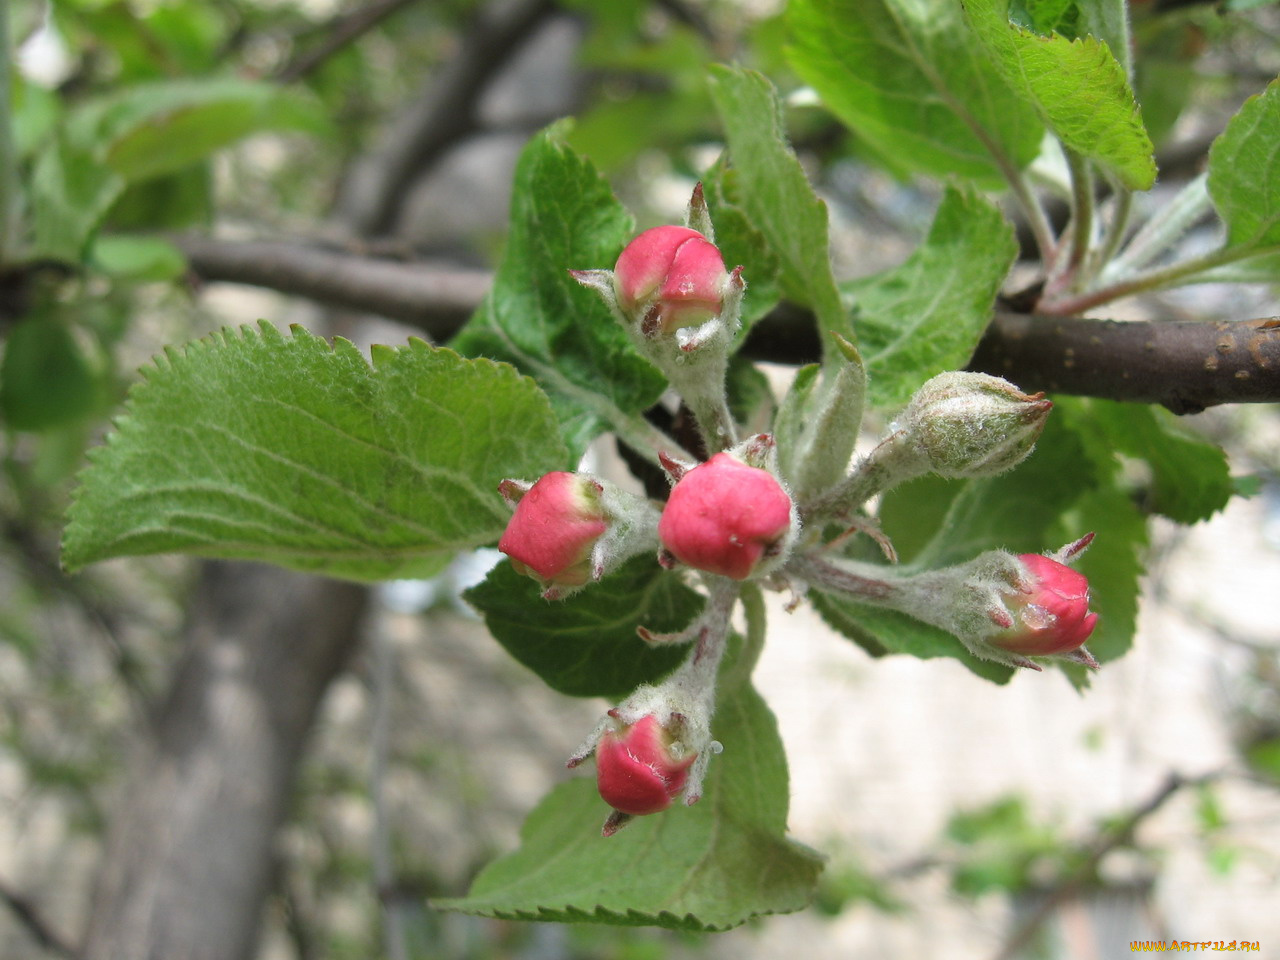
{"x":443,"y":115}
{"x":340,"y":32}
{"x":437,"y":297}
{"x":1114,"y":836}
{"x":26,"y":913}
{"x":1183,"y":365}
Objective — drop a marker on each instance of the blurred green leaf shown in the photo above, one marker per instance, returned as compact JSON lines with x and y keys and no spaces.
{"x":909,"y":77}
{"x":71,"y":191}
{"x":927,"y":314}
{"x":711,"y":866}
{"x":537,"y":317}
{"x":137,"y":259}
{"x":45,"y":379}
{"x":586,"y":645}
{"x":257,"y":446}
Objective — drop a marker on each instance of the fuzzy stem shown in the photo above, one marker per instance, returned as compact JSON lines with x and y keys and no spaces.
{"x":894,"y":461}
{"x":1116,"y":228}
{"x":1082,"y":200}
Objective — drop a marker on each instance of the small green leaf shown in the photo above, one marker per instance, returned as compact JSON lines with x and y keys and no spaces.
{"x":909,"y":78}
{"x":772,"y":188}
{"x":138,"y":259}
{"x":1244,"y":172}
{"x":71,"y":191}
{"x":257,"y":446}
{"x":586,"y":645}
{"x":742,"y":244}
{"x":537,"y":317}
{"x":880,"y":631}
{"x":45,"y":379}
{"x":1077,"y":86}
{"x":927,"y":314}
{"x":711,"y":866}
{"x":1190,"y":477}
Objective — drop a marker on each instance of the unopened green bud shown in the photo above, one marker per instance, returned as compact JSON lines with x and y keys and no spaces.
{"x":974,"y":425}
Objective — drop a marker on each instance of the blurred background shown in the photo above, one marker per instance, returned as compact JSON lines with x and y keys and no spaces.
{"x":399,"y":747}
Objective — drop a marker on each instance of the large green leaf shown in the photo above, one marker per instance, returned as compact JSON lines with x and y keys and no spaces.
{"x":1244,"y":172}
{"x":908,"y":77}
{"x":711,"y":866}
{"x":774,"y":191}
{"x":927,"y":315}
{"x":586,"y":645}
{"x":537,"y":317}
{"x":1078,"y":87}
{"x":257,"y":446}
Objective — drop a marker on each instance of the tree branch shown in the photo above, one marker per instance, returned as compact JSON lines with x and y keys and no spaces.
{"x":440,"y":118}
{"x":1183,"y":365}
{"x":436,"y":297}
{"x":34,"y":923}
{"x":344,"y":30}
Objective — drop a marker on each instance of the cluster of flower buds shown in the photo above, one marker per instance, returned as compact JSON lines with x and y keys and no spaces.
{"x":737,"y":516}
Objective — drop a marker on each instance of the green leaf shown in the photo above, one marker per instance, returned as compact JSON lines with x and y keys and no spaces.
{"x":262,"y":447}
{"x":537,"y":317}
{"x":1014,"y":511}
{"x":45,"y":379}
{"x":880,"y":631}
{"x":155,"y":128}
{"x":927,"y":314}
{"x":742,"y":244}
{"x":1190,"y":477}
{"x":138,"y":259}
{"x":774,"y":191}
{"x":1244,"y":172}
{"x":711,"y":866}
{"x":1077,"y":86}
{"x":71,"y":191}
{"x":908,"y":77}
{"x":586,"y":645}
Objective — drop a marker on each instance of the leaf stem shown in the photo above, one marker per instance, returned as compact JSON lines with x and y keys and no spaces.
{"x":1170,"y":276}
{"x":1159,"y":233}
{"x":1082,"y":200}
{"x":739,"y":671}
{"x":1117,"y":226}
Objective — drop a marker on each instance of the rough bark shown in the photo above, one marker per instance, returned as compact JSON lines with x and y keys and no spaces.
{"x":189,"y":854}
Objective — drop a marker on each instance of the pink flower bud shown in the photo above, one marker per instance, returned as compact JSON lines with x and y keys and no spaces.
{"x":555,"y":526}
{"x":670,"y":277}
{"x":640,"y":769}
{"x":1053,"y":618}
{"x":726,"y":517}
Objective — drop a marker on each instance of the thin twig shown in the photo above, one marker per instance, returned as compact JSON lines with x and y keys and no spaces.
{"x":30,"y":917}
{"x":1108,"y":841}
{"x":441,"y":117}
{"x":341,"y":32}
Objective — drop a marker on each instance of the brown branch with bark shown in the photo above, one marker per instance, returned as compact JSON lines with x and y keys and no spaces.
{"x":1185,"y":366}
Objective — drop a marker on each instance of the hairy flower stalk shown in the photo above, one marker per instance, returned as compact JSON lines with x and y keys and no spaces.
{"x":671,"y":292}
{"x":957,"y":425}
{"x":1001,"y":607}
{"x":654,"y":747}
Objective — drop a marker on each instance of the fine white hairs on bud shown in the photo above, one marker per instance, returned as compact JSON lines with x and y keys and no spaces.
{"x":974,"y":425}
